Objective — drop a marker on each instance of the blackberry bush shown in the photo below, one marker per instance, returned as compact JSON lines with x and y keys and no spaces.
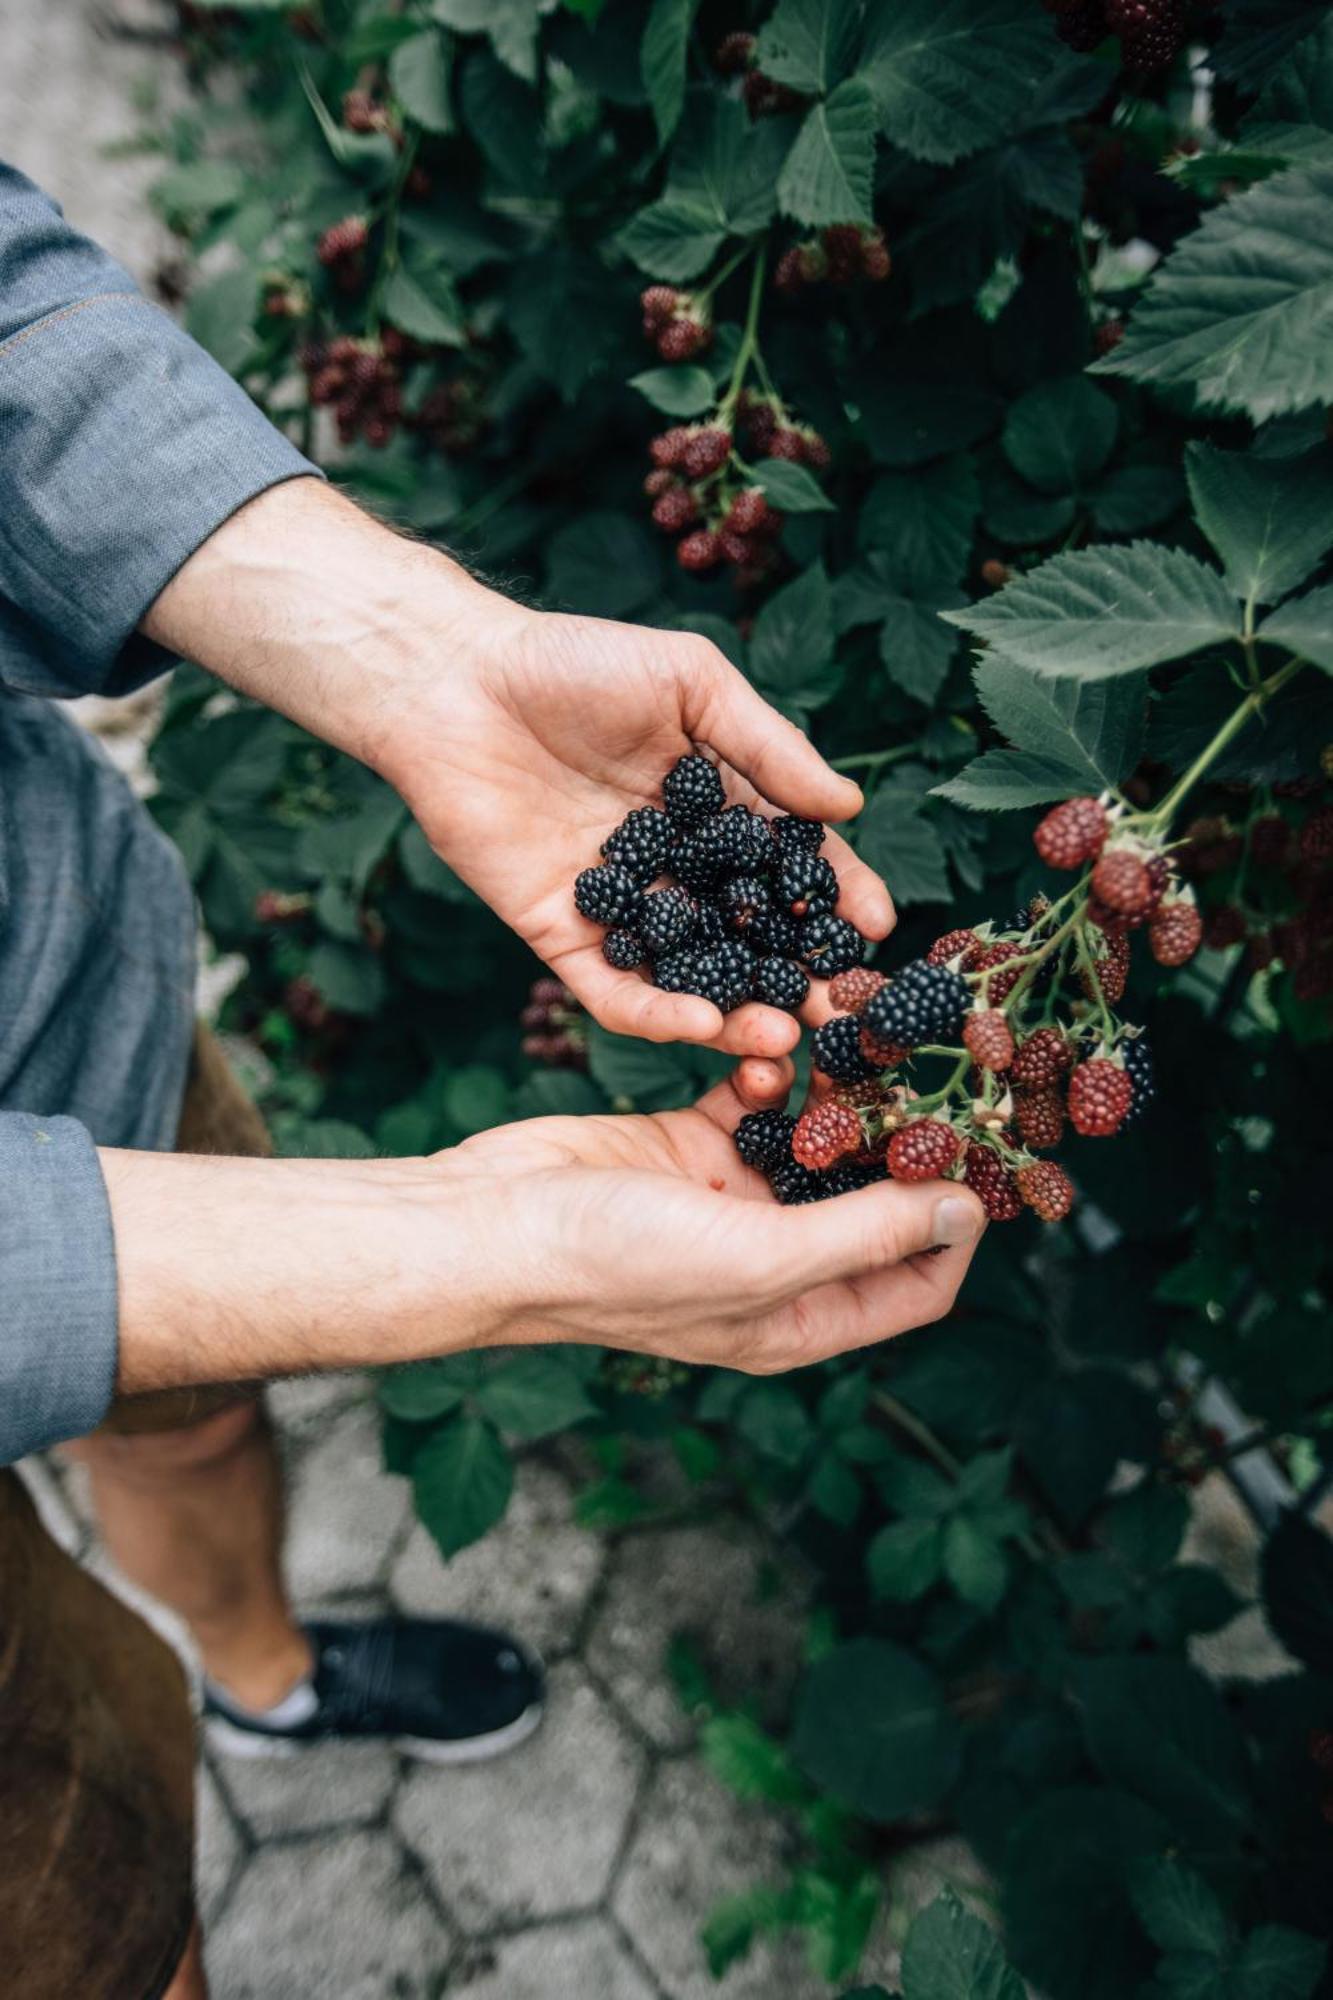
{"x":852,"y":338}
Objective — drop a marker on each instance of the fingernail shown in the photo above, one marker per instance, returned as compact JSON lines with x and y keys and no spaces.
{"x":954,"y":1221}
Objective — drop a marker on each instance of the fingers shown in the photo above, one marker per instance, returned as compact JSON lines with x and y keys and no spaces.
{"x":778,"y":758}
{"x":877,"y":1227}
{"x":862,"y":897}
{"x":839,"y":1318}
{"x":756,"y":1084}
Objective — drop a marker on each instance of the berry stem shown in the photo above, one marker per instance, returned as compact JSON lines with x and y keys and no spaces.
{"x":732,"y":264}
{"x":1089,"y":964}
{"x":1231,"y":728}
{"x":745,"y":353}
{"x":911,"y":1426}
{"x":873,"y":760}
{"x":388,"y":263}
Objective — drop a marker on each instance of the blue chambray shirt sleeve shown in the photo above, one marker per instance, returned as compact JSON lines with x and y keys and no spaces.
{"x":57,"y":1284}
{"x":123,"y":445}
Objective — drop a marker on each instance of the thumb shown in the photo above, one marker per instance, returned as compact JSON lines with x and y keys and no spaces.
{"x":779,"y":759}
{"x":879,"y":1226}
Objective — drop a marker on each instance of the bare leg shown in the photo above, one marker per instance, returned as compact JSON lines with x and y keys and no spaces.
{"x":195,"y":1518}
{"x":190,"y":1982}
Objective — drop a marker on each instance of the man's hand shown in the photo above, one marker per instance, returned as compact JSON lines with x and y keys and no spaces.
{"x":520,"y":739}
{"x":641,"y":1233}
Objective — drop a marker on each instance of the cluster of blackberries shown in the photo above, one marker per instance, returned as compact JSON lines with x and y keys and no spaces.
{"x":362,"y":381}
{"x":762,"y":96}
{"x":678,"y":324}
{"x":1152,"y":32}
{"x":836,"y":256}
{"x":1132,"y":883}
{"x":454,"y":416}
{"x":342,"y":251}
{"x":717,"y":900}
{"x":1265,"y":880}
{"x":554,"y":1026}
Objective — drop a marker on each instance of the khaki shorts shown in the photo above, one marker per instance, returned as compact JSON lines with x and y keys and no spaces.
{"x":96,"y":1732}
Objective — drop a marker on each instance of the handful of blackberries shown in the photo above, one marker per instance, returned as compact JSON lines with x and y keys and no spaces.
{"x":717,"y":900}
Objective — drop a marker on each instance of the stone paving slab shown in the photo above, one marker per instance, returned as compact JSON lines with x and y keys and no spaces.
{"x":578,"y":1961}
{"x":217,"y":1847}
{"x":533,"y":1575}
{"x":335,"y":1919}
{"x":706,"y":1585}
{"x":345,"y":1514}
{"x":337,"y":1785}
{"x":538,"y":1834}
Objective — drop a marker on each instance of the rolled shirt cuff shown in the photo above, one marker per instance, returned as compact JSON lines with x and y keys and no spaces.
{"x":123,"y":446}
{"x":58,"y":1328}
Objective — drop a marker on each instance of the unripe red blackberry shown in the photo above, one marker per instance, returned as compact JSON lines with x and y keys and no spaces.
{"x":667,"y":449}
{"x":876,"y":262}
{"x":682,"y":338}
{"x":826,"y":1133}
{"x":952,"y":945}
{"x":658,"y":482}
{"x":343,"y":240}
{"x":879,"y":1053}
{"x":987,"y":1039}
{"x":1111,"y":968}
{"x":734,"y":53}
{"x":996,"y":573}
{"x":1175,"y":932}
{"x":993,"y":1184}
{"x":706,"y":452}
{"x":1040,"y":1117}
{"x":1151,"y":31}
{"x":1072,"y":833}
{"x":658,"y":303}
{"x":675,"y":510}
{"x":1121,"y":881}
{"x":789,"y":272}
{"x":1046,"y":1188}
{"x":699,"y":551}
{"x":1108,"y":336}
{"x":750,"y":514}
{"x":998,"y":970}
{"x":923,"y":1150}
{"x":1100,"y":1093}
{"x":842,"y":249}
{"x":742,"y":550}
{"x":1041,"y":1059}
{"x":849,"y":991}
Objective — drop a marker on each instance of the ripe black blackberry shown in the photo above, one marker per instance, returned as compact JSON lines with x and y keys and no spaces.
{"x":724,"y":973}
{"x":774,"y":934}
{"x":795,"y":1185}
{"x":827,"y":944}
{"x":922,"y":1003}
{"x":837,"y":1049}
{"x":1141,"y":1071}
{"x":745,"y":841}
{"x":697,"y":860}
{"x":846,"y":1179}
{"x":608,"y":894}
{"x":763,"y":1139}
{"x":692,"y":791}
{"x":641,"y":842}
{"x":791,"y":833}
{"x":666,"y":920}
{"x":807,"y":884}
{"x":742,"y":899}
{"x":780,"y":982}
{"x":678,"y":973}
{"x":623,"y":949}
{"x":711,"y":926}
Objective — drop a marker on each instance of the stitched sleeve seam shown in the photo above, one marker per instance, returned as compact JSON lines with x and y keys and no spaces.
{"x":68,"y":312}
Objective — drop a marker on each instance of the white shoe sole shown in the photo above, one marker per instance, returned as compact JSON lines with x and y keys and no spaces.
{"x":233,"y":1741}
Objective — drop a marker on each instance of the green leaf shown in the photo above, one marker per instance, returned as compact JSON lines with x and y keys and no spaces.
{"x":873,"y":1728}
{"x":1242,"y":310}
{"x":1060,"y":434}
{"x":1146,"y":1526}
{"x":424,"y":306}
{"x":791,"y":649}
{"x":1270,"y":520}
{"x":420,"y":1391}
{"x":349,"y":977}
{"x":974,"y":1563}
{"x":901,"y":843}
{"x":834,"y":1490}
{"x":1067,"y":1914}
{"x":461,"y":1481}
{"x":649,"y":1074}
{"x":909,"y":418}
{"x":662,"y":60}
{"x":949,"y":1954}
{"x":607,"y":563}
{"x":534,"y":1393}
{"x":1177,"y":1908}
{"x":1070,"y":737}
{"x":828,"y":173}
{"x":748,"y":1760}
{"x":1306,"y":625}
{"x":1298,"y":1590}
{"x":1102,"y":611}
{"x":904,"y":1559}
{"x":981,"y":213}
{"x":511,"y":25}
{"x":419,"y":72}
{"x":806,"y":43}
{"x":951,"y":76}
{"x":923,"y":521}
{"x":772,"y":1418}
{"x":503,"y":116}
{"x":220,"y":316}
{"x":1131,"y":498}
{"x":679,"y":392}
{"x":672,"y":239}
{"x":1160,"y":1729}
{"x":1276,"y":1963}
{"x":916,"y":646}
{"x":792,"y":488}
{"x":726,"y":166}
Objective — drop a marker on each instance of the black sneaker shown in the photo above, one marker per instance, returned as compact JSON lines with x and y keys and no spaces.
{"x":437,"y":1689}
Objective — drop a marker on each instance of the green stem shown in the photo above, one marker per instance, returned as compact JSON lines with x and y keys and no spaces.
{"x":732,"y":264}
{"x":388,"y":263}
{"x":911,"y":1426}
{"x":745,"y":353}
{"x":873,"y":760}
{"x":1162,"y":814}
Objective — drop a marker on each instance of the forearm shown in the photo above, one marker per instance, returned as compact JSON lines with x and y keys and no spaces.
{"x":232,"y":1269}
{"x":314,"y":608}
